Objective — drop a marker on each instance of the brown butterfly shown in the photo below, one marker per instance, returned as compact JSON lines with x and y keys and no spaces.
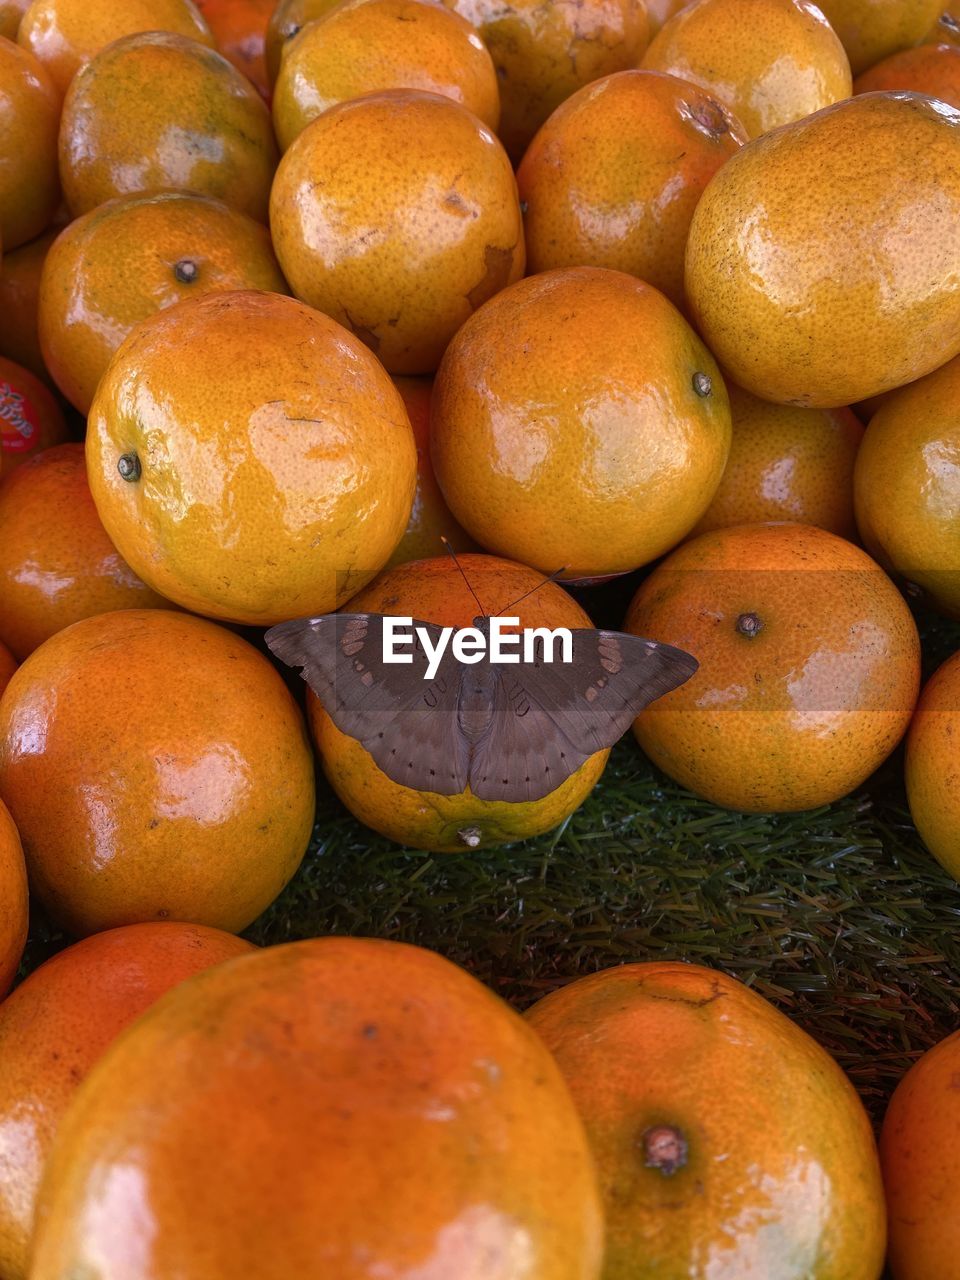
{"x":509,"y":732}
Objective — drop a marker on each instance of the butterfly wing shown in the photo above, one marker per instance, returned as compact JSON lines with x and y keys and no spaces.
{"x":407,"y":723}
{"x":550,"y":718}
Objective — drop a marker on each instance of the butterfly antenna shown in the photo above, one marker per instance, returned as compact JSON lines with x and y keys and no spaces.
{"x":552,"y":578}
{"x":483,"y":612}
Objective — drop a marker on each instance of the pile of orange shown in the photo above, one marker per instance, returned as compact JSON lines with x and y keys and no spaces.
{"x":289,"y":292}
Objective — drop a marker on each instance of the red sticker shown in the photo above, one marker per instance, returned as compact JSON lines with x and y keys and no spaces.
{"x":19,"y":421}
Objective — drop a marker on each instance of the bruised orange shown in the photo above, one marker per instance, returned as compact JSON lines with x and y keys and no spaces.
{"x":873,"y":29}
{"x":728,"y":1142}
{"x":358,"y":48}
{"x":787,"y":463}
{"x":172,"y":780}
{"x":933,"y":765}
{"x":557,"y":446}
{"x":809,"y":666}
{"x":281,"y":1115}
{"x":770,"y":61}
{"x":19,"y":294}
{"x":435,"y":591}
{"x":65,"y":34}
{"x":406,"y":280}
{"x":543,"y":53}
{"x":931,"y":69}
{"x":131,"y":257}
{"x":30,"y":418}
{"x":918,"y":1153}
{"x":156,"y":112}
{"x":57,"y":564}
{"x":239,"y":28}
{"x":13,"y":901}
{"x":11,"y":12}
{"x":946,"y":29}
{"x":290,"y":439}
{"x":613,"y":177}
{"x":8,"y":665}
{"x":430,"y":517}
{"x":29,"y":119}
{"x":57,"y":1024}
{"x":907,"y":486}
{"x":289,"y":17}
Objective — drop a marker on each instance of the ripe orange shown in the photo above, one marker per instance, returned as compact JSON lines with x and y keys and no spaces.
{"x":291,"y":440}
{"x":946,"y":29}
{"x":931,"y":69}
{"x":358,"y":48}
{"x":659,"y":11}
{"x":613,"y":177}
{"x":918,"y":1153}
{"x":57,"y":564}
{"x":809,"y":666}
{"x":873,"y":29}
{"x":288,"y":18}
{"x":728,"y":1142}
{"x":19,"y":292}
{"x":907,"y":486}
{"x":787,"y":464}
{"x":430,"y":518}
{"x":157,"y":112}
{"x":157,"y":768}
{"x":29,"y":118}
{"x":66,"y":34}
{"x":561,"y":448}
{"x":340,"y":1107}
{"x":134,"y":256}
{"x":8,"y":665}
{"x":11,"y":12}
{"x":13,"y":902}
{"x":932,"y":764}
{"x":404,"y":283}
{"x":55,"y":1027}
{"x":435,"y":591}
{"x":240,"y":30}
{"x":30,"y":418}
{"x":545,"y":53}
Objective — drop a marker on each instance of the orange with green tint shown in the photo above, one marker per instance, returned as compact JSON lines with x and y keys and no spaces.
{"x":874,"y":29}
{"x":563,"y":449}
{"x":613,"y":177}
{"x":57,"y":564}
{"x":435,"y":591}
{"x":728,"y":1142}
{"x":131,"y":257}
{"x":404,"y":282}
{"x":364,"y":1070}
{"x":30,"y":418}
{"x":240,"y":30}
{"x":931,"y":69}
{"x":56,"y":1026}
{"x":19,"y":294}
{"x":809,"y":666}
{"x":13,"y":897}
{"x":932,"y":765}
{"x":29,"y":119}
{"x":158,"y":112}
{"x":175,"y":780}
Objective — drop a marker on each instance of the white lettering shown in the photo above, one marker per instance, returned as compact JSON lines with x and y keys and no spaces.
{"x":469,"y":645}
{"x":549,"y":638}
{"x":499,"y":639}
{"x":392,"y":639}
{"x":434,"y":652}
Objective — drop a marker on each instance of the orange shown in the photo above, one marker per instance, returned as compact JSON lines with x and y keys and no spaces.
{"x":358,"y":48}
{"x":132,"y":257}
{"x":918,"y":1153}
{"x":340,"y":1107}
{"x":809,"y":666}
{"x":29,"y":118}
{"x":57,"y":564}
{"x":8,"y":665}
{"x":416,"y":224}
{"x":728,"y":1142}
{"x":65,"y":34}
{"x":907,"y":485}
{"x":873,"y":29}
{"x":930,"y":69}
{"x":54,"y":1028}
{"x":946,"y":29}
{"x":933,"y":765}
{"x":155,"y":112}
{"x":157,"y":768}
{"x":613,"y":177}
{"x":13,"y":901}
{"x":30,"y":418}
{"x":292,"y":442}
{"x":814,"y":277}
{"x":435,"y":591}
{"x":240,"y":29}
{"x":790,"y":64}
{"x":558,"y":446}
{"x":288,"y":18}
{"x":787,"y":464}
{"x":543,"y":53}
{"x":430,"y":517}
{"x":11,"y":12}
{"x":19,"y":293}
{"x":659,"y":11}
